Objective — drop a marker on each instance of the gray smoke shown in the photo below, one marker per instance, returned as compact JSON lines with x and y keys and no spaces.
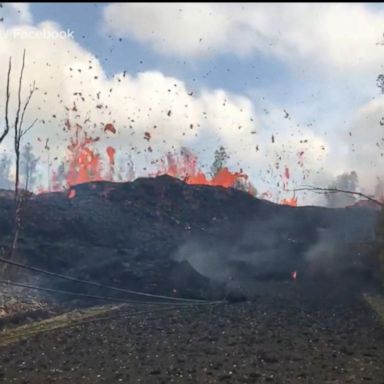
{"x":256,"y":249}
{"x":379,"y":189}
{"x":347,"y":182}
{"x":323,"y":255}
{"x":312,"y":241}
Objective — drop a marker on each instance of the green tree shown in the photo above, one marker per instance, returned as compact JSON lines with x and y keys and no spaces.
{"x":5,"y":169}
{"x":220,"y":160}
{"x":28,"y":166}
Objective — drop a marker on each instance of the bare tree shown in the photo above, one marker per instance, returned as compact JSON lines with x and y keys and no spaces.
{"x":7,"y":97}
{"x":19,"y":132}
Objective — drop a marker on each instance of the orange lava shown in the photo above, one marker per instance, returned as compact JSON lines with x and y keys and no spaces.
{"x":111,"y":152}
{"x":226,"y":178}
{"x":185,"y":167}
{"x":84,"y":163}
{"x":71,"y":194}
{"x":291,"y":202}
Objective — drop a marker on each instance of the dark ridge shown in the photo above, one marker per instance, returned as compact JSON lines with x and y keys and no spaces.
{"x":156,"y":234}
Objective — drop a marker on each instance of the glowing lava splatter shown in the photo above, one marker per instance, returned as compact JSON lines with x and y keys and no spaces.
{"x":84,"y":163}
{"x":292,"y":201}
{"x":184,"y":166}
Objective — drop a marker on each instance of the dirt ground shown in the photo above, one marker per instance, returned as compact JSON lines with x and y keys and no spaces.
{"x":296,"y":336}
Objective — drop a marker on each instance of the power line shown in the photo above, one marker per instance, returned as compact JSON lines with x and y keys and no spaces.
{"x":95,"y":284}
{"x":51,"y":290}
{"x":103,"y":298}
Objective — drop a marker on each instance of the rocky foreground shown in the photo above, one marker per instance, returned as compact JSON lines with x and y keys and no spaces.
{"x":289,"y":333}
{"x":166,"y":237}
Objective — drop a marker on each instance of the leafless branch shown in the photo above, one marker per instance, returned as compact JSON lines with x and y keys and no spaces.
{"x":19,"y":133}
{"x":31,"y":92}
{"x":337,"y":190}
{"x":19,"y":95}
{"x":26,"y":130}
{"x":7,"y":97}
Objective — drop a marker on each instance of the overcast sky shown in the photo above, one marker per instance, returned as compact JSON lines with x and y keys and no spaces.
{"x":232,"y":75}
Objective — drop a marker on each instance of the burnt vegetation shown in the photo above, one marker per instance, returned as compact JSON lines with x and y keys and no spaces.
{"x":19,"y":131}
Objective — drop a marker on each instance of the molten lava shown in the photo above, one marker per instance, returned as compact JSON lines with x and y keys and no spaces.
{"x":185,"y":167}
{"x":292,"y":201}
{"x":71,"y":194}
{"x":85,"y":164}
{"x":111,"y":152}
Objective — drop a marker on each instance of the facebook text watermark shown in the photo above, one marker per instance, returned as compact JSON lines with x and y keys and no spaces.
{"x":38,"y":34}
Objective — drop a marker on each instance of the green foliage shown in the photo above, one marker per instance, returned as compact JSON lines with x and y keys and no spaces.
{"x":5,"y":170}
{"x":29,"y":167}
{"x":221,"y":157}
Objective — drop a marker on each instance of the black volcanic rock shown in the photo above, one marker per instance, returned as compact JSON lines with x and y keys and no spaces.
{"x":163,"y":236}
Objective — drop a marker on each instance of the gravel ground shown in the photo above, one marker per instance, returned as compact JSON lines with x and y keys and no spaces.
{"x":296,"y":336}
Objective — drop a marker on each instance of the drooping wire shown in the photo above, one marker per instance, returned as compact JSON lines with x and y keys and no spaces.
{"x":96,"y":297}
{"x":125,"y":315}
{"x":95,"y":284}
